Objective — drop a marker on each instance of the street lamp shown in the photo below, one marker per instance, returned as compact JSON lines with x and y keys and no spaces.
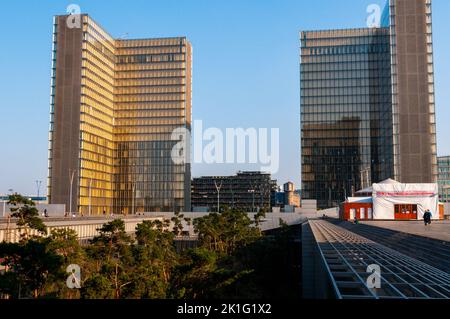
{"x":90,"y":197}
{"x":38,"y":186}
{"x":218,"y":187}
{"x":72,"y":176}
{"x":253,"y":199}
{"x":133,"y":197}
{"x":232,"y":196}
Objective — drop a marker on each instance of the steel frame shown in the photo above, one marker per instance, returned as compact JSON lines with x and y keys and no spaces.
{"x":347,"y":255}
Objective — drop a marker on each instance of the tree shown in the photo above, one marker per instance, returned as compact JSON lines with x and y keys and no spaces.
{"x":30,"y":264}
{"x":258,"y":218}
{"x":27,"y":216}
{"x":225,"y":232}
{"x":64,"y":242}
{"x":110,"y":259}
{"x":154,"y":258}
{"x":208,"y":271}
{"x":193,"y":277}
{"x":177,"y":223}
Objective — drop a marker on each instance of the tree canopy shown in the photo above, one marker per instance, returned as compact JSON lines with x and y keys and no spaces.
{"x":230,"y":259}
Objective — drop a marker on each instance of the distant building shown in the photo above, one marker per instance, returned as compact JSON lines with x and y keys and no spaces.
{"x":292,"y":197}
{"x":41,"y":199}
{"x":248,"y":191}
{"x":289,"y":199}
{"x":444,"y":178}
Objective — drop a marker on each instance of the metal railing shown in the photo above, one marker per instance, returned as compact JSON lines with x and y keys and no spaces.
{"x":347,"y":257}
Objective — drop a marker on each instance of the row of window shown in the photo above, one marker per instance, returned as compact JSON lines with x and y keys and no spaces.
{"x":105,"y":75}
{"x":150,"y":42}
{"x":173,"y":49}
{"x":150,"y":58}
{"x":337,"y":138}
{"x":336,"y":75}
{"x":348,"y":99}
{"x":143,"y":106}
{"x":130,"y":115}
{"x":92,"y":125}
{"x":346,"y":90}
{"x":156,"y":97}
{"x":366,"y":48}
{"x":362,"y":68}
{"x":341,"y":83}
{"x":347,"y":109}
{"x":159,"y":74}
{"x":151,"y":66}
{"x":151,"y":90}
{"x":165,"y":127}
{"x":345,"y":37}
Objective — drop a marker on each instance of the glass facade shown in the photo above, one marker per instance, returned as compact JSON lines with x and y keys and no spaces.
{"x":367,"y":104}
{"x":444,"y":178}
{"x":151,"y":97}
{"x":346,"y":118}
{"x":96,"y":120}
{"x":128,"y":97}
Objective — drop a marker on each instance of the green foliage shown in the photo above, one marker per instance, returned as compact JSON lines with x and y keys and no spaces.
{"x":154,"y":258}
{"x":64,"y":243}
{"x":27,"y":215}
{"x":30,"y":264}
{"x":177,"y":223}
{"x":232,"y":260}
{"x":225,"y":232}
{"x":110,"y":257}
{"x":97,"y":286}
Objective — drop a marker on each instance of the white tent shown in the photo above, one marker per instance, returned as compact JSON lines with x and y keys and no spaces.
{"x":369,"y":190}
{"x":386,"y":195}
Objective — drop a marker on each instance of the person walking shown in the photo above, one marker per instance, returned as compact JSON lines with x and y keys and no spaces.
{"x":427,"y":217}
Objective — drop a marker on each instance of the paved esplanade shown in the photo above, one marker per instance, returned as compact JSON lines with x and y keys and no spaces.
{"x":437,"y":230}
{"x":346,"y":257}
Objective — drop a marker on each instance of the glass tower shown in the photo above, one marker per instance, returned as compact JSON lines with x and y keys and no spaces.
{"x":367,"y":104}
{"x":114,"y":106}
{"x":345,"y":116}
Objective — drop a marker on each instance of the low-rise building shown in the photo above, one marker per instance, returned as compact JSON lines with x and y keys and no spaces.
{"x":249,"y":191}
{"x":288,"y":200}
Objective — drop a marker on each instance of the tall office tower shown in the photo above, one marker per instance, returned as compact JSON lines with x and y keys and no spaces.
{"x":114,"y":106}
{"x":413,"y":108}
{"x":367,"y":105}
{"x":346,"y":118}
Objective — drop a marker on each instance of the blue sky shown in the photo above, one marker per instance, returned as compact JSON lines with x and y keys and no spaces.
{"x":246,"y":68}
